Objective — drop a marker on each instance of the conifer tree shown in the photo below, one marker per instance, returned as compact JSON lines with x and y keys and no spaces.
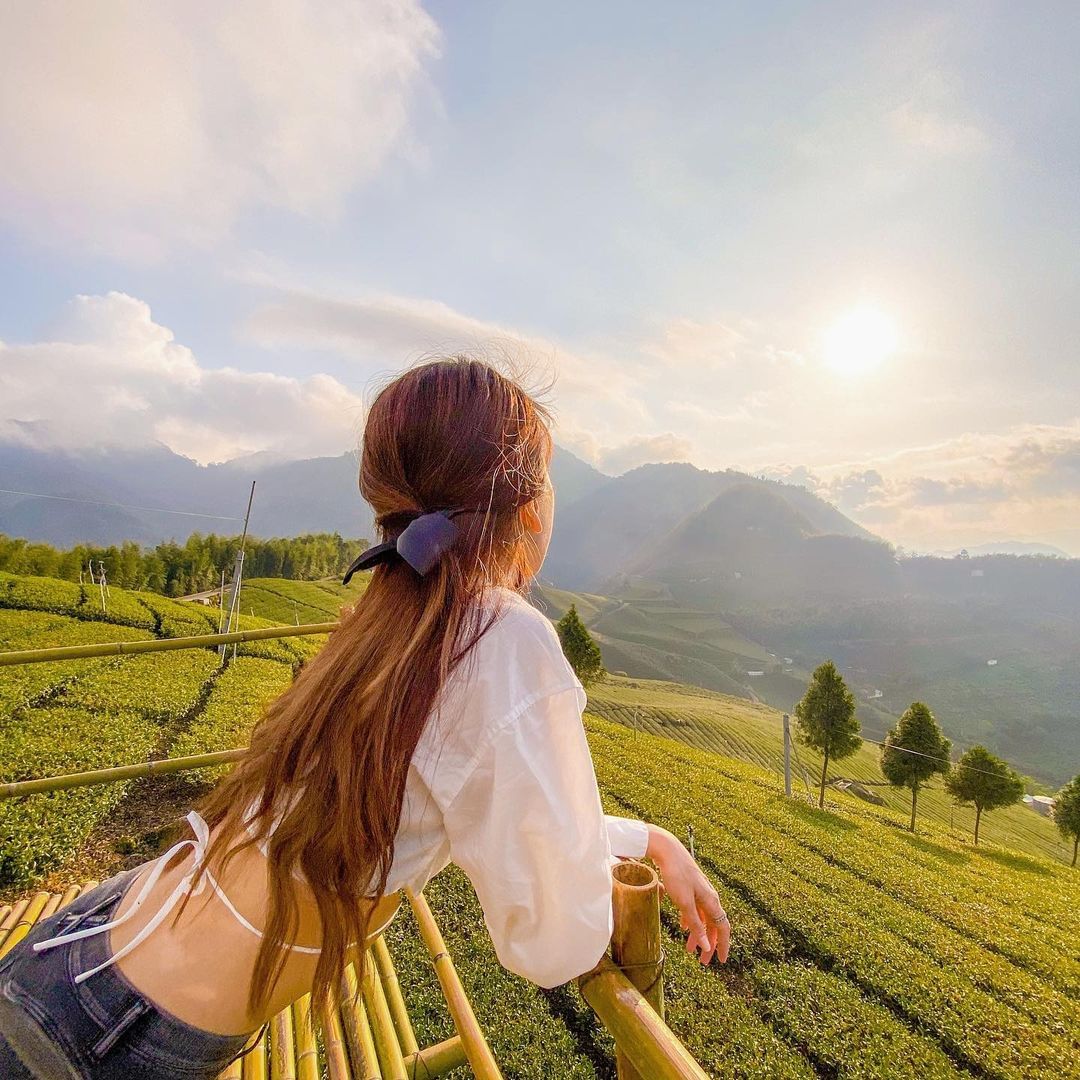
{"x":914,"y":750}
{"x":983,"y":780}
{"x":1067,"y":813}
{"x":579,"y":647}
{"x":826,"y":720}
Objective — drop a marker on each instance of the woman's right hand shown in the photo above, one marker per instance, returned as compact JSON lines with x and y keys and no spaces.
{"x":700,"y":910}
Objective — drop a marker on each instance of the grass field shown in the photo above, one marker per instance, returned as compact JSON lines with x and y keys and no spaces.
{"x":859,"y":949}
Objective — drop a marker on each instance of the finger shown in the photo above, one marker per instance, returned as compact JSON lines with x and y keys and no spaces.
{"x":719,"y":925}
{"x":698,"y":939}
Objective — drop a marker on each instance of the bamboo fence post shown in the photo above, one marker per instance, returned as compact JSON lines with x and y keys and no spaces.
{"x":392,"y":989}
{"x":282,"y":1046}
{"x":337,"y":1059}
{"x":382,"y":1024}
{"x":635,"y":941}
{"x":481,"y":1059}
{"x":13,"y":916}
{"x":234,"y":1071}
{"x":255,"y":1061}
{"x":307,"y":1053}
{"x":22,"y":927}
{"x":365,"y":1061}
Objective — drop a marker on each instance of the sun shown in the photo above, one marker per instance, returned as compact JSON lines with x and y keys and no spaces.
{"x":859,"y":342}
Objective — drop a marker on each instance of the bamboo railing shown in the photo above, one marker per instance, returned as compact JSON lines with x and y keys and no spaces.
{"x":366,"y":1033}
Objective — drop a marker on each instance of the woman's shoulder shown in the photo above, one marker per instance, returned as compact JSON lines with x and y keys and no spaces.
{"x":522,"y":633}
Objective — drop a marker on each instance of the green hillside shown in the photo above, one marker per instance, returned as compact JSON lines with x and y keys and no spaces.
{"x":859,"y":950}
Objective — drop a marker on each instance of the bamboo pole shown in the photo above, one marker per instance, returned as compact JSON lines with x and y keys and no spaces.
{"x":391,"y":1058}
{"x":475,"y":1045}
{"x":282,"y":1046}
{"x":307,"y":1054}
{"x":650,"y":1045}
{"x":129,"y":648}
{"x":392,"y":989}
{"x":365,"y":1061}
{"x":337,"y":1058}
{"x":71,"y":892}
{"x":22,"y":927}
{"x":436,"y":1060}
{"x":18,"y":788}
{"x":13,"y":916}
{"x":255,"y":1061}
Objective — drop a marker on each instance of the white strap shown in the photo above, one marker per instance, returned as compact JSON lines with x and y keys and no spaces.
{"x":198,"y":846}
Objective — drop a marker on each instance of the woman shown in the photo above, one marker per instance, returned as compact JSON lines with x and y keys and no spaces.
{"x":439,"y":723}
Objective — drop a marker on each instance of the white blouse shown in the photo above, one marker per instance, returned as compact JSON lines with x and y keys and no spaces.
{"x":502,"y":784}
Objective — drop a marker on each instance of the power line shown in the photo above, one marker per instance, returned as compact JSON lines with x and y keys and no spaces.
{"x":122,"y":506}
{"x":931,"y":757}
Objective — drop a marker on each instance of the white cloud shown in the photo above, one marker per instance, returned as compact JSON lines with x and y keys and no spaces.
{"x":1022,"y":484}
{"x":110,"y":375}
{"x":132,"y":128}
{"x":592,"y":388}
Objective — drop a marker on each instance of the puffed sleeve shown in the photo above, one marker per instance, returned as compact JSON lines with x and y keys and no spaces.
{"x":528,"y":829}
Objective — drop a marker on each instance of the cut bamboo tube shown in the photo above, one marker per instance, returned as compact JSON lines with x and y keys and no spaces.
{"x":337,"y":1058}
{"x":475,"y":1045}
{"x":255,"y":1061}
{"x":125,"y":648}
{"x":52,"y":906}
{"x":650,"y":1045}
{"x":365,"y":1062}
{"x":282,"y":1046}
{"x":5,"y":911}
{"x":436,"y":1060}
{"x":13,"y":916}
{"x":391,"y":1059}
{"x":307,"y":1054}
{"x":22,"y":927}
{"x":392,"y":988}
{"x":635,"y":941}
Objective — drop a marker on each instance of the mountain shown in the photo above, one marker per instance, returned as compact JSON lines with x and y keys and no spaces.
{"x":292,"y":497}
{"x":622,"y":521}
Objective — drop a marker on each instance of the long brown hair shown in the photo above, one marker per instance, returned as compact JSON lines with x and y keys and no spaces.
{"x":448,"y":433}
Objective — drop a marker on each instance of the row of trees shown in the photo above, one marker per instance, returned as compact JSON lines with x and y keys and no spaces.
{"x":179,"y":569}
{"x":914,"y":751}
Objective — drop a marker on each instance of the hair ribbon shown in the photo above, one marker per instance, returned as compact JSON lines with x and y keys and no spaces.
{"x":421,"y":543}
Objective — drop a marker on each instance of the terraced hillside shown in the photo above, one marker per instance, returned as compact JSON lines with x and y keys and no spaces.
{"x":74,"y":715}
{"x":859,"y":950}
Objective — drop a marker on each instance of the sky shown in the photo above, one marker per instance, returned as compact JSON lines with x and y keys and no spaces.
{"x":831,"y":243}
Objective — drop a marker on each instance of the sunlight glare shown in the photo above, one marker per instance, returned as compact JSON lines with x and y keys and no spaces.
{"x":860,"y":341}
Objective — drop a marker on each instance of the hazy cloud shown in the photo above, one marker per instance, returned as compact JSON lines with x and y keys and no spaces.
{"x":110,"y":375}
{"x":149,"y":123}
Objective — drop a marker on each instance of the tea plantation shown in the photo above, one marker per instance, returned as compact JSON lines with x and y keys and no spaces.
{"x":858,"y":949}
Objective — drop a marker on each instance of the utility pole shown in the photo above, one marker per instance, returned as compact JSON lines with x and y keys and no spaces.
{"x":238,"y":570}
{"x":787,"y":755}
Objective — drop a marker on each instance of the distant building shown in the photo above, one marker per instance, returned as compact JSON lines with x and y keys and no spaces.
{"x":991,"y":663}
{"x":788,"y":660}
{"x":752,"y":673}
{"x":1041,"y":804}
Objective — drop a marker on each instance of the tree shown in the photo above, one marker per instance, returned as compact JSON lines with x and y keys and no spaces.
{"x":914,"y":750}
{"x":1067,"y":813}
{"x":579,"y":647}
{"x":825,"y":719}
{"x":983,"y":780}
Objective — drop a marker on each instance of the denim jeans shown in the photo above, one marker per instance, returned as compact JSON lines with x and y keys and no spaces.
{"x":102,"y":1028}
